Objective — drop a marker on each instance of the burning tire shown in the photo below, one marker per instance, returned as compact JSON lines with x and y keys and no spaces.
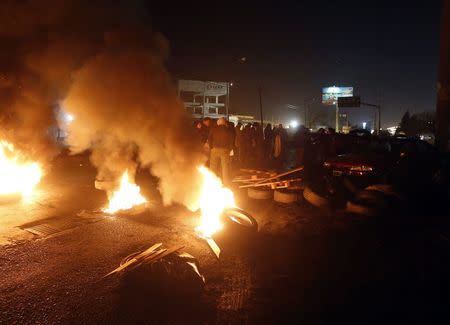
{"x":287,"y":195}
{"x":315,"y":198}
{"x":239,"y":232}
{"x":259,"y":193}
{"x":240,"y":218}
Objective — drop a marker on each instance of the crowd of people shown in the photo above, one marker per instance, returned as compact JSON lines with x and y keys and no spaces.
{"x":230,"y":147}
{"x":233,"y":146}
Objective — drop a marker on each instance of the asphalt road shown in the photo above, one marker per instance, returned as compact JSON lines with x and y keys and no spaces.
{"x":305,"y":265}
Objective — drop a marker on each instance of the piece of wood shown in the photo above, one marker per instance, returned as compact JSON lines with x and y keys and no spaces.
{"x":163,"y":254}
{"x":247,"y":180}
{"x":281,"y":175}
{"x":213,"y":245}
{"x":283,"y":182}
{"x":149,"y":251}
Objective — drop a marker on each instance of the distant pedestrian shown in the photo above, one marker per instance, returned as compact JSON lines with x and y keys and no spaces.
{"x":221,"y":141}
{"x":246,"y":145}
{"x":268,"y":145}
{"x":206,"y":126}
{"x":238,"y":143}
{"x":259,"y":144}
{"x":279,"y":146}
{"x":300,"y":144}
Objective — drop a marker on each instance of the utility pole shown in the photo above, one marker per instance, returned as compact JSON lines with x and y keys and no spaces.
{"x":228,"y":101}
{"x":337,"y":117}
{"x":305,"y":108}
{"x":260,"y":106}
{"x":443,"y":85}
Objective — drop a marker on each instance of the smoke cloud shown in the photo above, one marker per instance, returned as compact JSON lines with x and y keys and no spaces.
{"x":105,"y":66}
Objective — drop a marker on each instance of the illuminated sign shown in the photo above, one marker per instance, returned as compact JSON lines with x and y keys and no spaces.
{"x":331,"y":94}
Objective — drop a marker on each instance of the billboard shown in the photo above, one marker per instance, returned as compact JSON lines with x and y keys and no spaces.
{"x":331,"y":94}
{"x":208,"y":88}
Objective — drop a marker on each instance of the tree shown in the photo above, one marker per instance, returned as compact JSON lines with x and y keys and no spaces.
{"x":405,"y":123}
{"x":416,"y":124}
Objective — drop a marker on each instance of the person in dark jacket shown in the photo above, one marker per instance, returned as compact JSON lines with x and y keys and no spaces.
{"x":221,"y":142}
{"x":268,"y":145}
{"x":205,"y":129}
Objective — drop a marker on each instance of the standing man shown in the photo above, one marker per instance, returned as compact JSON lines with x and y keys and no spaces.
{"x":205,"y":129}
{"x":221,"y":142}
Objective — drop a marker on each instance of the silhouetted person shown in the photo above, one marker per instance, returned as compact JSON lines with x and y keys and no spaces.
{"x":259,"y":144}
{"x":221,"y":141}
{"x":206,"y":126}
{"x":246,"y":145}
{"x":268,"y":144}
{"x":238,"y":143}
{"x":279,"y":146}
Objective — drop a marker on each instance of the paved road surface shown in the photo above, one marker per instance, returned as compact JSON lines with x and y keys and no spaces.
{"x":304,"y":265}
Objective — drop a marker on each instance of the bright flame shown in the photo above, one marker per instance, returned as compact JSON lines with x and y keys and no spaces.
{"x":17,"y":176}
{"x":127,"y":196}
{"x":214,"y":198}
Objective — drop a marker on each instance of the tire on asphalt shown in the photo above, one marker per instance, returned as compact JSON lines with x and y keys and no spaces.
{"x":240,"y":218}
{"x":360,"y":208}
{"x":376,"y":200}
{"x":287,"y":195}
{"x":315,"y":198}
{"x":371,"y":197}
{"x":387,"y":189}
{"x":259,"y":193}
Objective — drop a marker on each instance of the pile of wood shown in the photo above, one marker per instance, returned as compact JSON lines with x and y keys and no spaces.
{"x":257,"y":178}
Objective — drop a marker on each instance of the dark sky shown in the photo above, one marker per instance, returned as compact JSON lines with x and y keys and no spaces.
{"x":388,"y":51}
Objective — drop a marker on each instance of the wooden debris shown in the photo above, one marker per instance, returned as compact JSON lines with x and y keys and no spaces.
{"x":151,"y":254}
{"x":213,"y":245}
{"x":275,"y":184}
{"x":281,"y":175}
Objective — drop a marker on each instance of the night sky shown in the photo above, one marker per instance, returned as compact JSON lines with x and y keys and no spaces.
{"x":388,"y":51}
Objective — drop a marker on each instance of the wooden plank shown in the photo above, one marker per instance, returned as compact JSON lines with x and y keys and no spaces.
{"x":281,"y":175}
{"x":135,"y":259}
{"x":275,"y":183}
{"x":214,"y":247}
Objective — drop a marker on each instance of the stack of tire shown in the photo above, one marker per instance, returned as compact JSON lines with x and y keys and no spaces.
{"x":260,"y":193}
{"x":284,"y":195}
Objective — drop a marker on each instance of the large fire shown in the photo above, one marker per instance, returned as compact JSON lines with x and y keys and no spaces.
{"x":125,"y":197}
{"x":214,"y":199}
{"x":17,"y":176}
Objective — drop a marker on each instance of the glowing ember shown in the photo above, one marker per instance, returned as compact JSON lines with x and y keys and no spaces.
{"x":127,"y":196}
{"x":16,"y":175}
{"x":214,"y":198}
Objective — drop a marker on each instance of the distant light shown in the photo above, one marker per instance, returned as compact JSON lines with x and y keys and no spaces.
{"x":293,"y":124}
{"x":231,"y":84}
{"x":364,"y":125}
{"x":392,"y":130}
{"x":372,"y":131}
{"x":69,"y":117}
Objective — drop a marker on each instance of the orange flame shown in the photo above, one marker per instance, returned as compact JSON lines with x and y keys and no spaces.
{"x":16,"y":175}
{"x":214,"y":198}
{"x":125,"y":197}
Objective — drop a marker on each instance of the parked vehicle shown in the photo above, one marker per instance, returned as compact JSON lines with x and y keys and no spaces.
{"x":408,"y":163}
